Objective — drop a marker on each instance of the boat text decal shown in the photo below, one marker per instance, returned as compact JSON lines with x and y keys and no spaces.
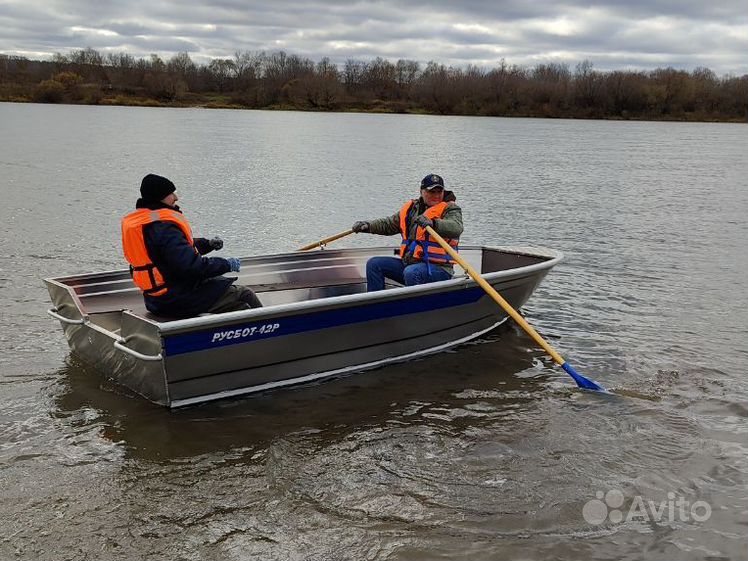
{"x":245,"y":333}
{"x":217,"y":337}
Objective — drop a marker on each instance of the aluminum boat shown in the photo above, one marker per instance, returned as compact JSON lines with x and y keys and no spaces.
{"x":318,"y":321}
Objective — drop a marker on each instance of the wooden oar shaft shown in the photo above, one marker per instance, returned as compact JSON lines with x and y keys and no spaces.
{"x":497,"y":297}
{"x":326,"y":240}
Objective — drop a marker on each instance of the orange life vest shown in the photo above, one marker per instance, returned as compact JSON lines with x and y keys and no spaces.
{"x":434,"y":252}
{"x":144,"y":273}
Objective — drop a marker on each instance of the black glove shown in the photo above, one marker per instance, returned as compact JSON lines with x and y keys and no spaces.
{"x":360,"y":227}
{"x":215,"y":243}
{"x":423,"y":221}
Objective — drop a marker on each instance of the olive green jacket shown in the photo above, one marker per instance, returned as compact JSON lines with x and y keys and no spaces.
{"x":448,"y":226}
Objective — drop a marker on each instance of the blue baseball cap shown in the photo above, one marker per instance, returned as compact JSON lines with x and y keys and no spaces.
{"x":432,"y":181}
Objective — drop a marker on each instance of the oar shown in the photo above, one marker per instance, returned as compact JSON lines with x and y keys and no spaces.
{"x":325,"y":241}
{"x":581,"y":381}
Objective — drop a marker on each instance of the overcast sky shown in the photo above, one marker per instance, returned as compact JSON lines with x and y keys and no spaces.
{"x":633,"y":34}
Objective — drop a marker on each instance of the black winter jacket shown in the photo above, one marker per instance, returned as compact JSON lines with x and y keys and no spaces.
{"x":195,"y":282}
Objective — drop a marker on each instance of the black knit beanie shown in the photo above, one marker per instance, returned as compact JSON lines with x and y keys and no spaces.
{"x":153,"y":188}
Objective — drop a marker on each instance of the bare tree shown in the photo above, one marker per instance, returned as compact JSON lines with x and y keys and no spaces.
{"x":221,"y":70}
{"x":353,"y":75}
{"x":406,"y":74}
{"x":586,"y":85}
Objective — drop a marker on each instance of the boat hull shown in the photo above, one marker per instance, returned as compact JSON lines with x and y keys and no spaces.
{"x":183,"y":362}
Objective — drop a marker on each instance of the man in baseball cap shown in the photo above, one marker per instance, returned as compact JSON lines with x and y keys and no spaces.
{"x":421,"y":260}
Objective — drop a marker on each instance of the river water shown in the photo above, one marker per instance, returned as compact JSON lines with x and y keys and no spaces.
{"x":484,"y":452}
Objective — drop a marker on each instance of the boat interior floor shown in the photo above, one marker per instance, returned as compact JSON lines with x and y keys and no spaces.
{"x":105,"y":309}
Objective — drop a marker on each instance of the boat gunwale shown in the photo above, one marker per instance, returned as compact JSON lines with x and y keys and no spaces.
{"x":170,"y":327}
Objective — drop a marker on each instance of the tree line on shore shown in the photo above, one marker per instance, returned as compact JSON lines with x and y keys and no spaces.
{"x":279,"y":80}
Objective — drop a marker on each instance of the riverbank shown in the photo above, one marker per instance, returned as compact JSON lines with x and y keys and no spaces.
{"x":376,"y":106}
{"x":278,"y":81}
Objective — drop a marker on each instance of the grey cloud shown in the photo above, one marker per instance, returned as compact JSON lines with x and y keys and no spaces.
{"x":127,"y":28}
{"x":169,"y":45}
{"x":724,"y":10}
{"x":613,"y":34}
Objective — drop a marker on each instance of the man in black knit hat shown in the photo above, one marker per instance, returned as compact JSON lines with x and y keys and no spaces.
{"x":169,"y":265}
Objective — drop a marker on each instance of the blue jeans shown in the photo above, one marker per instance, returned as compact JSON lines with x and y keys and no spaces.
{"x":379,"y":268}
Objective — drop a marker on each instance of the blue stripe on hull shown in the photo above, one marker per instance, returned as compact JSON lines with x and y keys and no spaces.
{"x":290,"y":325}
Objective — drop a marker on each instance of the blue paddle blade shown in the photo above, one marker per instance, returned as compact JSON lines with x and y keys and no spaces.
{"x":581,"y":381}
